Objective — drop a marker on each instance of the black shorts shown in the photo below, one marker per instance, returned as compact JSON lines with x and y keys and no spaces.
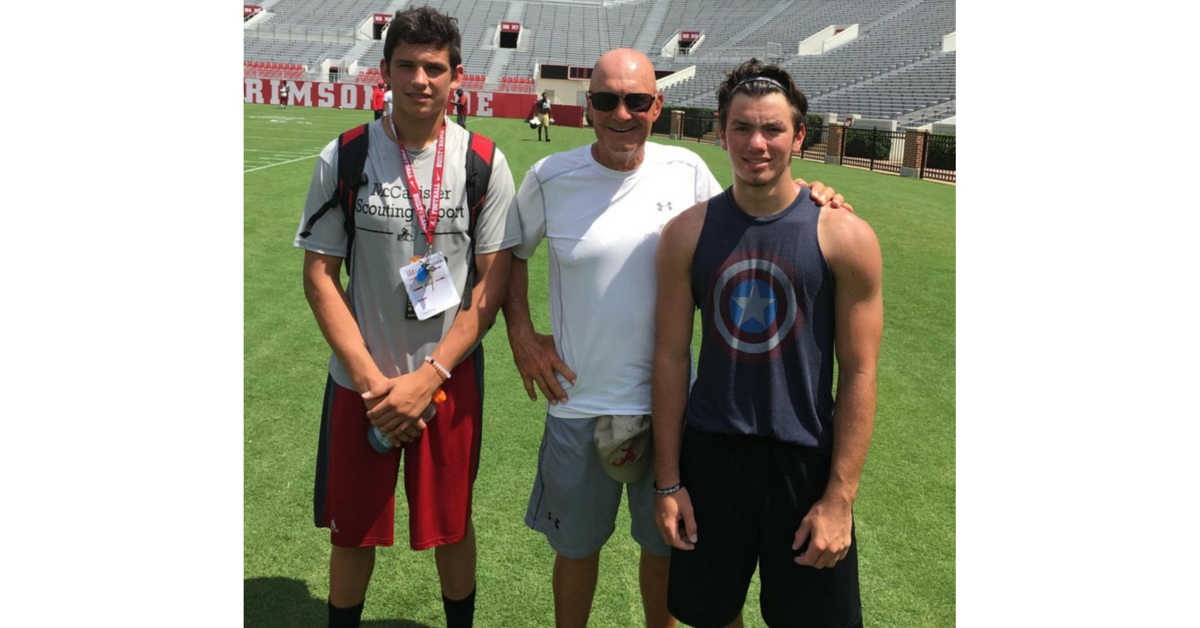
{"x":749,"y":494}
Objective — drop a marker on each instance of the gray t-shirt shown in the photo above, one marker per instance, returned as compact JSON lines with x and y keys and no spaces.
{"x":386,"y":234}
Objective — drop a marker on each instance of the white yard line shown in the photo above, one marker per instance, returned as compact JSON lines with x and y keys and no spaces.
{"x":310,"y":156}
{"x":280,"y":163}
{"x":282,"y":138}
{"x":274,"y":151}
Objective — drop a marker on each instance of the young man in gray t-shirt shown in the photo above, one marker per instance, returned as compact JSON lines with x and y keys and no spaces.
{"x":387,"y":365}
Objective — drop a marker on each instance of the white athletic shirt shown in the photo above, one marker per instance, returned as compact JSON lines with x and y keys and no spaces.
{"x":603,"y":228}
{"x":386,"y":234}
{"x":387,"y":103}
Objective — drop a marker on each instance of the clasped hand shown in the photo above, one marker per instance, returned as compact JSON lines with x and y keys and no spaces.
{"x":395,"y":406}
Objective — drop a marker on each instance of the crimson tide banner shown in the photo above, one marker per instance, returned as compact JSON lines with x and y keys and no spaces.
{"x":307,"y":93}
{"x":258,"y":91}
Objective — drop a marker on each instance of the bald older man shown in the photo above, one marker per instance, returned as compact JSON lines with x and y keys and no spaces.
{"x":602,"y":208}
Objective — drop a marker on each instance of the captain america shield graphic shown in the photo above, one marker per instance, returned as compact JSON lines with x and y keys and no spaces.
{"x":755,"y":312}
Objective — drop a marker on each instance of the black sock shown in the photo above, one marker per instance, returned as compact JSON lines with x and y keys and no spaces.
{"x":460,"y":613}
{"x":345,"y":617}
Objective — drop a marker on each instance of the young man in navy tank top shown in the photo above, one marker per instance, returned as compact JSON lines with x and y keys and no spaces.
{"x":766,"y":468}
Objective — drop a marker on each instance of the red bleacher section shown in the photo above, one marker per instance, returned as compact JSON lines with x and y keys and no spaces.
{"x":516,"y":85}
{"x":470,"y":82}
{"x":267,"y":69}
{"x":369,"y":76}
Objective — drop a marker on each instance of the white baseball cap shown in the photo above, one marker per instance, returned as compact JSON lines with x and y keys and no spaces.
{"x":624,"y":445}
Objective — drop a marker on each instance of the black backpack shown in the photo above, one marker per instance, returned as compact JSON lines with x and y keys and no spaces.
{"x":352,"y":160}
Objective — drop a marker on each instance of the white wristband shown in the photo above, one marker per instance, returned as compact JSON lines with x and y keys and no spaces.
{"x":440,"y":369}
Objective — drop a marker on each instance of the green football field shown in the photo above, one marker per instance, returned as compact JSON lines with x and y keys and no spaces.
{"x":904,"y":517}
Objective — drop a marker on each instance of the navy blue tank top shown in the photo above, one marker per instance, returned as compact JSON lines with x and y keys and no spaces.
{"x":765,"y":295}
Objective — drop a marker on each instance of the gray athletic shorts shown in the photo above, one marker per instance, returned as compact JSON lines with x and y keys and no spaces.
{"x":574,"y":502}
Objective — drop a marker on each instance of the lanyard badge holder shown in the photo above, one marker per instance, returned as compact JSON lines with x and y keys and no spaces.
{"x":427,"y":279}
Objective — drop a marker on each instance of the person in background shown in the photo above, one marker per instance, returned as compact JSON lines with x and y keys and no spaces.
{"x":377,"y":99}
{"x":541,"y":111}
{"x":460,"y":107}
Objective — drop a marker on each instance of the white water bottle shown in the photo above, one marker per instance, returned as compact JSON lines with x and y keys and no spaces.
{"x":379,"y":441}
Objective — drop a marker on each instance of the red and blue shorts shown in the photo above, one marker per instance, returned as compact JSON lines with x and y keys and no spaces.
{"x":355,"y":492}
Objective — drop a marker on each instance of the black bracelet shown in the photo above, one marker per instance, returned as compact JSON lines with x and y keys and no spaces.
{"x":667,"y":491}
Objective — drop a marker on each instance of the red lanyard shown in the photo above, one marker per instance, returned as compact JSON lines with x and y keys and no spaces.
{"x":427,"y":220}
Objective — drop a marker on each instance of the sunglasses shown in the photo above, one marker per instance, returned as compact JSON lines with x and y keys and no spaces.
{"x":607,"y":101}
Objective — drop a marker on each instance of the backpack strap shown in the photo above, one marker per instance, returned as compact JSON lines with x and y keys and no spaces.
{"x":352,"y":161}
{"x":480,"y":154}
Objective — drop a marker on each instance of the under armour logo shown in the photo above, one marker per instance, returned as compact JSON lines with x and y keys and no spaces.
{"x":550,"y":516}
{"x":629,"y":457}
{"x":666,"y":208}
{"x":405,"y":235}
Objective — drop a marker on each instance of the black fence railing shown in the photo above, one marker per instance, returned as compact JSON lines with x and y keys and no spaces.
{"x":814,"y":146}
{"x":873,"y":149}
{"x":939,"y":158}
{"x":695,"y":127}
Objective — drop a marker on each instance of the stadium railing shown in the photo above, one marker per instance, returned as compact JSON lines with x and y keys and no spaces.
{"x":288,"y":32}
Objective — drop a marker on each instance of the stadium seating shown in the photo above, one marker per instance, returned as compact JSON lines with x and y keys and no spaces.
{"x":473,"y":81}
{"x":894,"y":68}
{"x":267,"y":69}
{"x":291,"y":52}
{"x":369,"y":76}
{"x":331,"y":14}
{"x":516,"y":85}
